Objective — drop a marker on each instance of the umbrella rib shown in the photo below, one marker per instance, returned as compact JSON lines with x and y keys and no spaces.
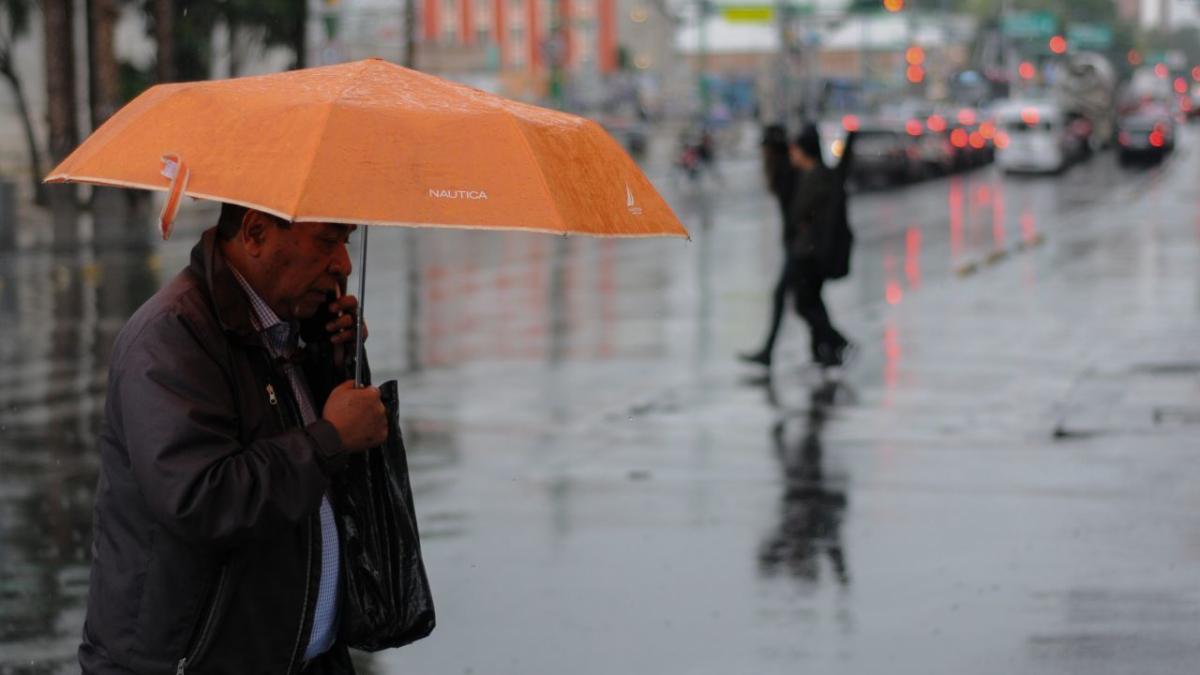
{"x":330,"y":106}
{"x":541,"y":173}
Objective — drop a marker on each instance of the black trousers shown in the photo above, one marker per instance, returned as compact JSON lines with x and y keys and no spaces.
{"x":804,"y":283}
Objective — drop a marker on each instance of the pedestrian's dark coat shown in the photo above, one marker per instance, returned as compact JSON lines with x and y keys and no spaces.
{"x":207,"y":542}
{"x":809,"y":213}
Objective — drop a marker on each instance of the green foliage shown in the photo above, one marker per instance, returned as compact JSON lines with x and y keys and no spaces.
{"x":132,"y":81}
{"x":16,"y":17}
{"x":273,"y":23}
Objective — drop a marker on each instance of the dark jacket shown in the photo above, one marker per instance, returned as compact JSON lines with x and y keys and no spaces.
{"x":783,"y":187}
{"x":207,"y":541}
{"x":809,"y":214}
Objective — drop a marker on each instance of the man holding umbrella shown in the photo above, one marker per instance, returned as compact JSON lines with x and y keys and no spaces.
{"x":215,"y":546}
{"x":216,"y":549}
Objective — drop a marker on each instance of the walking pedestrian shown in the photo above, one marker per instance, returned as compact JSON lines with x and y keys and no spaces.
{"x":781,"y":179}
{"x":809,"y":205}
{"x":815,"y":215}
{"x":216,"y":546}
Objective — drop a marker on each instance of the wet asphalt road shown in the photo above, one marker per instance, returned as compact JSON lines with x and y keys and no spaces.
{"x":1004,"y":481}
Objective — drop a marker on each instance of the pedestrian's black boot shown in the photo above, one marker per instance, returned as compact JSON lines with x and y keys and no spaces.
{"x":847,"y":352}
{"x":762,"y":358}
{"x":828,"y":356}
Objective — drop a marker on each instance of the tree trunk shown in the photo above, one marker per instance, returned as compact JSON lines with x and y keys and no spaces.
{"x":164,"y":28}
{"x":60,"y":77}
{"x":103,"y":80}
{"x":111,"y":223}
{"x":35,"y":156}
{"x":59,"y":23}
{"x":300,"y":35}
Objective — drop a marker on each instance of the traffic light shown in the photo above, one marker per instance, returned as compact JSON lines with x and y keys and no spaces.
{"x":915,"y":56}
{"x":893,"y":5}
{"x":1058,"y":44}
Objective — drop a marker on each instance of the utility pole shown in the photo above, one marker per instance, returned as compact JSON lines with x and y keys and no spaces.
{"x":702,"y":69}
{"x":783,"y":65}
{"x":557,"y":53}
{"x":410,"y":34}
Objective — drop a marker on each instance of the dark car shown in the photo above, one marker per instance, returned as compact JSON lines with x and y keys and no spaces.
{"x":1147,"y":133}
{"x":885,"y":153}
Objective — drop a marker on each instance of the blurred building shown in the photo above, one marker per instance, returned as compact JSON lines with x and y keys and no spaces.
{"x":860,"y":50}
{"x":1161,"y":14}
{"x":575,"y":52}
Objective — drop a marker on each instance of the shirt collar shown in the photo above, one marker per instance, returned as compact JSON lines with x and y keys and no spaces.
{"x":278,"y":333}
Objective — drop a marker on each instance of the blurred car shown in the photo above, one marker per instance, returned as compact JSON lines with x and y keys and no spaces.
{"x":885,"y":152}
{"x":1035,"y":136}
{"x":936,"y":154}
{"x":971,"y":136}
{"x":1147,"y":133}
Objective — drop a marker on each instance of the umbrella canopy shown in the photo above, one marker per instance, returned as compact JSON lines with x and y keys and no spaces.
{"x":373,"y":143}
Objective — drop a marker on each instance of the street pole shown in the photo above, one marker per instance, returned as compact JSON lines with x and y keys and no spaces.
{"x":702,"y":68}
{"x":783,"y":64}
{"x":557,"y":54}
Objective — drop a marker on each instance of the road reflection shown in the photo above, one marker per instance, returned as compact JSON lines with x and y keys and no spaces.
{"x":59,"y":313}
{"x":813,"y":502}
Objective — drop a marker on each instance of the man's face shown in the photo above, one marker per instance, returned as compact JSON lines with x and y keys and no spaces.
{"x":302,"y":265}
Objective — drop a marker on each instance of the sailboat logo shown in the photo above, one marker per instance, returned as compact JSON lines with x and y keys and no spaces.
{"x":630,"y":203}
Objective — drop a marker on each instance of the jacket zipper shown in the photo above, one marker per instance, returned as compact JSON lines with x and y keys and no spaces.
{"x":209,"y":624}
{"x":292,"y":410}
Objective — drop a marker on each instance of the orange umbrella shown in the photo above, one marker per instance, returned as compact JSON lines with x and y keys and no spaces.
{"x":373,"y":143}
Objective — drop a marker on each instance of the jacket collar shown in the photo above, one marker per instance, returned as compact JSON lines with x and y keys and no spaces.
{"x":230,"y":304}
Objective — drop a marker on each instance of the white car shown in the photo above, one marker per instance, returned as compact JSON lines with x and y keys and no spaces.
{"x":1033,"y":136}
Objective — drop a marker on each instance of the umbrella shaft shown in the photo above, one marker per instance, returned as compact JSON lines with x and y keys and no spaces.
{"x":362,"y":307}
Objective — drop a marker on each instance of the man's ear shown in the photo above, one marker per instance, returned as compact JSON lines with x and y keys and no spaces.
{"x":255,"y":228}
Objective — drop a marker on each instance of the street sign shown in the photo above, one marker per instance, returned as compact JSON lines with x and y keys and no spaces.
{"x":748,"y":13}
{"x":1090,"y":36}
{"x":1029,"y":25}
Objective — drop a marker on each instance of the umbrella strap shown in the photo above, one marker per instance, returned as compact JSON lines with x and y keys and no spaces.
{"x":178,"y":172}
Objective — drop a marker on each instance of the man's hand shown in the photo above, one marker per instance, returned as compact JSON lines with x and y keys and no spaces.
{"x":341,"y":329}
{"x":358,"y":415}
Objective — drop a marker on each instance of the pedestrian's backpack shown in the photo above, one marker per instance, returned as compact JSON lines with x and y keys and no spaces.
{"x":840,"y":242}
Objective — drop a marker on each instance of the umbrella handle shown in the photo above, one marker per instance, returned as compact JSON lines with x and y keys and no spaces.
{"x":362,"y":306}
